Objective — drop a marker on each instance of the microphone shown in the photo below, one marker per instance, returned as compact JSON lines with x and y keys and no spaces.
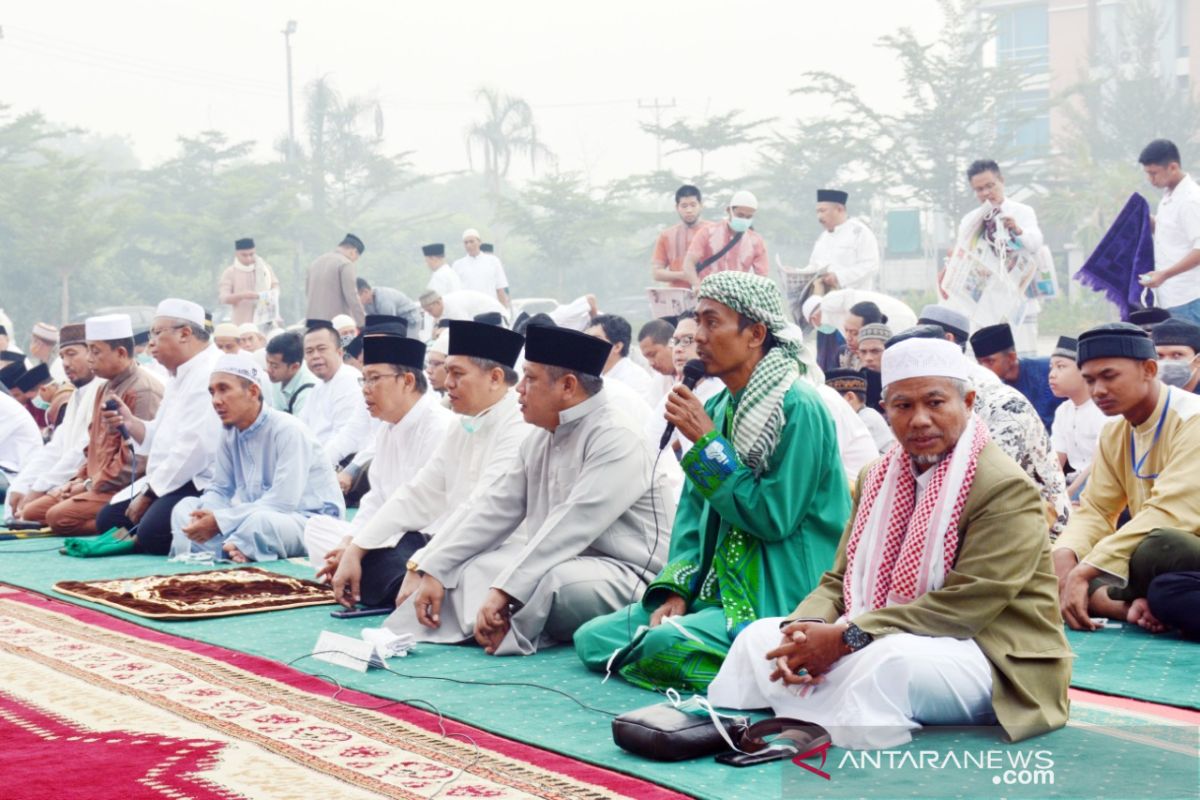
{"x":111,"y":405}
{"x":693,"y":371}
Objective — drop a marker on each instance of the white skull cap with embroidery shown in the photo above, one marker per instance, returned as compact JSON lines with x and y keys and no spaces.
{"x":242,"y":365}
{"x":744,"y":199}
{"x":108,"y":327}
{"x":186,"y":310}
{"x":924,"y":358}
{"x":470,"y":233}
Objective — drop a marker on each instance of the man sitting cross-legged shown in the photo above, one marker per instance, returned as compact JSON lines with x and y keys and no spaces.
{"x":941,"y":606}
{"x":764,"y":502}
{"x":584,"y":488}
{"x":475,"y":452}
{"x":271,"y":476}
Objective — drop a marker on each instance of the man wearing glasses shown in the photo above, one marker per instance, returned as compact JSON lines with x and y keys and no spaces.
{"x":180,"y":443}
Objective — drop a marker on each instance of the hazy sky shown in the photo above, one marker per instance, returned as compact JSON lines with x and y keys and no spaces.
{"x":154,"y":69}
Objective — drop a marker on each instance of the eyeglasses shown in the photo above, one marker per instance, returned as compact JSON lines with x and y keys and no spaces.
{"x":683,"y":341}
{"x":369,"y":383}
{"x":157,"y":332}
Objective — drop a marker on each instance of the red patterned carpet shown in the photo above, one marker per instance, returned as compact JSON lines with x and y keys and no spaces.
{"x":94,"y":707}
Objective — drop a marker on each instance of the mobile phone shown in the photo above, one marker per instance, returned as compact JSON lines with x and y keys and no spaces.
{"x":352,"y":613}
{"x":732,"y":758}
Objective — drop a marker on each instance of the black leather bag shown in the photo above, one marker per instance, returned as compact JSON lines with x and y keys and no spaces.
{"x":664,"y":733}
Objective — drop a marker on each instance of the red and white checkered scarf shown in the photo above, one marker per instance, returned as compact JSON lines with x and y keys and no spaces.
{"x":899,"y":549}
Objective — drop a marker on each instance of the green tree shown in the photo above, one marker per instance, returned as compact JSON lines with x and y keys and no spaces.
{"x":707,"y":135}
{"x":506,"y":131}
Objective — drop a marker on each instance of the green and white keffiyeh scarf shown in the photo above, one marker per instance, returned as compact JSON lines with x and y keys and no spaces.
{"x":759,"y":416}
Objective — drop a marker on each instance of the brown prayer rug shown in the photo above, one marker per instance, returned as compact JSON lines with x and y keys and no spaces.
{"x":195,"y":595}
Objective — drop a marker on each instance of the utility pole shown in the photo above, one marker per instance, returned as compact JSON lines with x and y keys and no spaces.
{"x":287,"y":43}
{"x":657,"y":108}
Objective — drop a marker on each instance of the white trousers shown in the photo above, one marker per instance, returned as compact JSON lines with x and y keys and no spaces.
{"x":322,"y":534}
{"x":871,"y":699}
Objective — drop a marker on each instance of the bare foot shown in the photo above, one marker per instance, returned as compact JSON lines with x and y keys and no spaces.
{"x":1139,"y":614}
{"x":1101,"y":605}
{"x":234,"y":554}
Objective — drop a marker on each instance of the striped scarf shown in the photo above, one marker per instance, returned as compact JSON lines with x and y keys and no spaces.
{"x":759,"y":415}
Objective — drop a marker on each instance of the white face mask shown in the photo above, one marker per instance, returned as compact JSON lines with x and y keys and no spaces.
{"x":471,"y":424}
{"x":1174,"y":373}
{"x":39,"y":403}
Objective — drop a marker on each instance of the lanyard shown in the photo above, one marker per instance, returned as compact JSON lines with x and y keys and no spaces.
{"x":1136,"y":462}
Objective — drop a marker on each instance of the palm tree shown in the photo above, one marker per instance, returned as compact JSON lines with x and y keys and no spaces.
{"x":507,"y":130}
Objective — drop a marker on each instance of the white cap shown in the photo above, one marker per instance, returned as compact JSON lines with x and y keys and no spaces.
{"x":108,"y":328}
{"x":343,"y":321}
{"x":181,"y":309}
{"x":744,"y":199}
{"x":810,"y":306}
{"x":924,"y":358}
{"x":247,"y":327}
{"x":471,"y":232}
{"x":226,"y":329}
{"x":45,"y":332}
{"x":243,"y":365}
{"x":441,"y":344}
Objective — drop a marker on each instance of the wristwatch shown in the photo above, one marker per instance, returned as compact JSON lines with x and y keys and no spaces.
{"x":412,"y":566}
{"x":856,"y":638}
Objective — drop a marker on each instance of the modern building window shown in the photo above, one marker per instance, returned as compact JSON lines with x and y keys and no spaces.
{"x":1023,"y":37}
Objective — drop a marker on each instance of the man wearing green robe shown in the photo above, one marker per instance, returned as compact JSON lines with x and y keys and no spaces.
{"x":763,"y":506}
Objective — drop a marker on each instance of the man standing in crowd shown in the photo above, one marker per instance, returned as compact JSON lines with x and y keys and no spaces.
{"x":249,"y":286}
{"x":995,"y":349}
{"x":847,"y":248}
{"x":270,"y":476}
{"x":728,"y":246}
{"x":291,"y":380}
{"x":666,"y":265}
{"x":1175,"y":279}
{"x":180,"y":442}
{"x":385,"y":301}
{"x":442,"y":277}
{"x":481,"y":272}
{"x":1146,"y":463}
{"x":331,"y":284}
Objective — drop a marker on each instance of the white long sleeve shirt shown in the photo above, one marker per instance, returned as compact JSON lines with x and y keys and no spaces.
{"x":851,"y":252}
{"x":181,"y":441}
{"x":60,"y":458}
{"x":1177,"y":233}
{"x":19,"y":436}
{"x":336,"y":413}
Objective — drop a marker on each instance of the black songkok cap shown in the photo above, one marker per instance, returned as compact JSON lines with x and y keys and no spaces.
{"x":12,"y":373}
{"x":1178,"y":332}
{"x":479,"y":340}
{"x":355,"y":348}
{"x":493,"y":318}
{"x":11,"y":356}
{"x":434,"y":250}
{"x":1115,"y":340}
{"x":992,"y":339}
{"x":385,"y":323}
{"x":244,"y":244}
{"x":388,"y":348}
{"x":832,"y":196}
{"x":487,"y":247}
{"x":1066,"y":348}
{"x":846,"y":380}
{"x":1149,"y":317}
{"x":353,"y":241}
{"x":33,"y":378}
{"x":140,"y":338}
{"x":3,"y":331}
{"x":566,"y":348}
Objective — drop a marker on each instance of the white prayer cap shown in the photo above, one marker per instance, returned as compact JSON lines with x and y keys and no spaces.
{"x":247,"y":327}
{"x":924,"y":358}
{"x":45,"y":332}
{"x":441,"y":344}
{"x":471,"y":232}
{"x":226,"y":329}
{"x":181,"y":309}
{"x":108,"y":328}
{"x":243,"y":365}
{"x":810,"y":306}
{"x":343,"y":321}
{"x":744,"y":199}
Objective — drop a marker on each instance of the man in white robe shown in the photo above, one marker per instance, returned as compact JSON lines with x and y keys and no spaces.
{"x":442,"y":277}
{"x":270,"y":477}
{"x":334,"y":410}
{"x":478,"y":450}
{"x":479,"y":271}
{"x":846,"y":249}
{"x":597,"y":520}
{"x":619,"y":366}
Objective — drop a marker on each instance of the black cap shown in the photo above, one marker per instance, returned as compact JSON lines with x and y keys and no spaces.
{"x":33,"y":378}
{"x":1115,"y":340}
{"x":354,"y":348}
{"x":388,"y":348}
{"x":1178,"y":332}
{"x":1149,"y":317}
{"x":832,"y":196}
{"x":566,"y":348}
{"x":846,"y":380}
{"x":351,"y":240}
{"x":487,"y":247}
{"x":244,"y":244}
{"x":479,"y":340}
{"x":992,"y":339}
{"x":3,"y":331}
{"x":433,"y":249}
{"x":493,"y":318}
{"x":1066,"y":348}
{"x":11,"y":356}
{"x":12,"y":373}
{"x":385,"y":323}
{"x":140,"y":338}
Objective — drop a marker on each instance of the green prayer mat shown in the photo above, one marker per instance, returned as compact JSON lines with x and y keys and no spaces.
{"x":1130,"y":662}
{"x":113,"y":542}
{"x":1101,"y":754}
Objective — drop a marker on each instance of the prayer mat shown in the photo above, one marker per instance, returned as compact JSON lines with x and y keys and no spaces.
{"x":1124,"y":254}
{"x":1130,"y":662}
{"x":35,"y":533}
{"x":94,"y":707}
{"x":215,"y":593}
